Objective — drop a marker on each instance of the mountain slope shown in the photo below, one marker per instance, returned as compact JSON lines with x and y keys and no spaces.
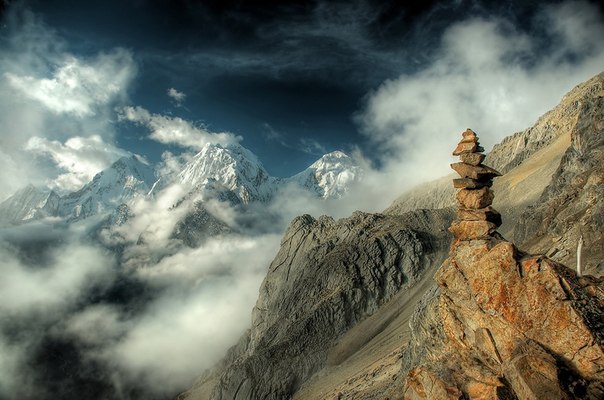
{"x":546,"y":166}
{"x":362,"y":359}
{"x":328,"y":276}
{"x":572,"y":205}
{"x":231,"y":174}
{"x":28,"y":204}
{"x":330,"y":176}
{"x":233,"y":167}
{"x":126,"y":179}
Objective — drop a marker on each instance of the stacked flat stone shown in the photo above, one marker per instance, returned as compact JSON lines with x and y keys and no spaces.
{"x":476,"y":219}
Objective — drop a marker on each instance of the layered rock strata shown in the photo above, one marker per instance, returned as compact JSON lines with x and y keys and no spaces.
{"x":327,"y":277}
{"x":502,"y":324}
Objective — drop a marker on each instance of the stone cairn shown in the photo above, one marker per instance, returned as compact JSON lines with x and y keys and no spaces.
{"x":476,"y":219}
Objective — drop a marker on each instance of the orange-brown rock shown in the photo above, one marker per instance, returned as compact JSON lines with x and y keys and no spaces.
{"x":467,"y":183}
{"x":469,"y":133}
{"x":476,"y":172}
{"x":467,"y":147}
{"x":469,"y":139}
{"x":472,"y":158}
{"x":469,"y":230}
{"x":503,"y":325}
{"x":531,"y":324}
{"x":483,"y":214}
{"x":533,"y":373}
{"x":475,"y":198}
{"x":423,"y":384}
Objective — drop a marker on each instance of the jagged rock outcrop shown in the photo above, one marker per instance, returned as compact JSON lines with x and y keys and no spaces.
{"x":327,"y":276}
{"x":572,"y":205}
{"x":560,"y":121}
{"x":504,"y":325}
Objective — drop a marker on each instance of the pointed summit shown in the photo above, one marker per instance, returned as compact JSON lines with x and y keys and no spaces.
{"x":128,"y":178}
{"x":233,"y":167}
{"x":330,"y":176}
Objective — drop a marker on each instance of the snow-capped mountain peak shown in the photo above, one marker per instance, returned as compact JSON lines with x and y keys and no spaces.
{"x":28,"y":204}
{"x":126,"y":179}
{"x":330,"y":176}
{"x":234,"y":167}
{"x":224,"y":172}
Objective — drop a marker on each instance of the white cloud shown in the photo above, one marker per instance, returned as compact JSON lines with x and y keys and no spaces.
{"x":173,"y":163}
{"x":487,"y":75}
{"x":79,"y":157}
{"x":578,"y":25}
{"x":212,"y":290}
{"x":77,"y":87}
{"x":175,"y":130}
{"x":53,"y":95}
{"x":47,"y":289}
{"x":10,"y":378}
{"x":177,"y":96}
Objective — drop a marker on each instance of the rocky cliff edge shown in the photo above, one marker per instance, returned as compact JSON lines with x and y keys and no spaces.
{"x":501,"y":324}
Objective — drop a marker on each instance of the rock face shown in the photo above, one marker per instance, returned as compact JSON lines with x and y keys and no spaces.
{"x":572,"y":205}
{"x":514,"y":150}
{"x":327,"y":276}
{"x":504,"y":325}
{"x":552,"y":190}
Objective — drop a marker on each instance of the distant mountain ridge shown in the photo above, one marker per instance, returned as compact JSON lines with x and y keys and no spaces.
{"x":228,"y":172}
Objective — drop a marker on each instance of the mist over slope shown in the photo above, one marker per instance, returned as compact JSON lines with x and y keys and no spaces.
{"x":307,"y":338}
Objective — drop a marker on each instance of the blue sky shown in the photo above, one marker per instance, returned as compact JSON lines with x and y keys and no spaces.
{"x":289,"y":80}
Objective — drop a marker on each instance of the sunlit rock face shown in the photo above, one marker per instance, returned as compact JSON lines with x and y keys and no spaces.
{"x":503,"y":324}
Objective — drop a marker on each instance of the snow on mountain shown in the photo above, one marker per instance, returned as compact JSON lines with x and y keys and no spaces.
{"x":28,"y":204}
{"x":330,"y":176}
{"x":125,"y":180}
{"x":231,"y":167}
{"x":226,"y":173}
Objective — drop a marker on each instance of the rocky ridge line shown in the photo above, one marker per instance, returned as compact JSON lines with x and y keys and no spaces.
{"x":501,"y":324}
{"x":513,"y":150}
{"x":327,"y":277}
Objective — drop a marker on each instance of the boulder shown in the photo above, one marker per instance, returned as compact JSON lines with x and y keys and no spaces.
{"x":476,"y":172}
{"x":467,"y":183}
{"x":475,"y":198}
{"x":472,"y":158}
{"x":483,"y":214}
{"x":469,"y":230}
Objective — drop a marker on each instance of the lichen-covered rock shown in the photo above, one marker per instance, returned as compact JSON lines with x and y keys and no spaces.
{"x":511,"y":325}
{"x":469,"y":230}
